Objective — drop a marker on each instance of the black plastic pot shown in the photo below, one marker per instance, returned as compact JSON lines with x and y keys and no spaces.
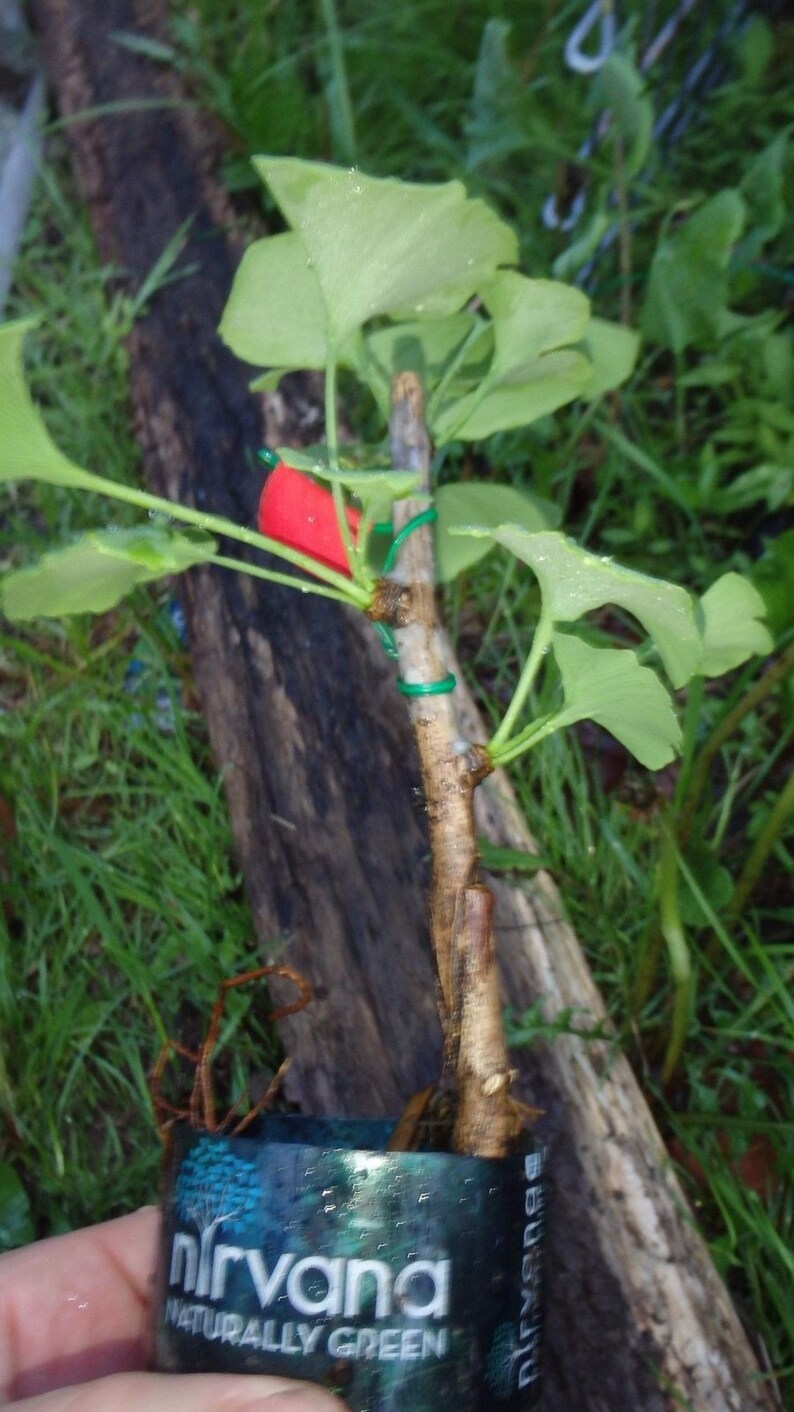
{"x":304,"y":1249}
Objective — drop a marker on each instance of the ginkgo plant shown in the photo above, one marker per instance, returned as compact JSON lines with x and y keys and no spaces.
{"x":413,"y":290}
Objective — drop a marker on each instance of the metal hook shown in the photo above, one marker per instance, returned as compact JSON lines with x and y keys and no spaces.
{"x":552,"y":219}
{"x":575,"y":58}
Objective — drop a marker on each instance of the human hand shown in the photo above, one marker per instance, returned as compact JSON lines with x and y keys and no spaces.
{"x":74,"y":1333}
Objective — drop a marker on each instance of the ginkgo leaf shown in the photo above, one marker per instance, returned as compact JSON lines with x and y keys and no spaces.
{"x":532,"y":317}
{"x":555,"y":380}
{"x":732,"y":630}
{"x":534,"y":370}
{"x":488,"y":504}
{"x":275,"y":315}
{"x":573,"y":581}
{"x":612,"y":351}
{"x":97,"y":571}
{"x":379,"y":245}
{"x":369,"y":487}
{"x":27,"y":451}
{"x":607,"y":685}
{"x":426,"y":347}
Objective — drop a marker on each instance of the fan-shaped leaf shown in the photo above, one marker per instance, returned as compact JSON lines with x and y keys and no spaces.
{"x":574,"y":582}
{"x":380,"y":245}
{"x":732,"y":629}
{"x":533,"y":370}
{"x":607,"y":685}
{"x":27,"y":451}
{"x":486,"y":504}
{"x":275,"y":315}
{"x":612,"y":352}
{"x":96,"y":572}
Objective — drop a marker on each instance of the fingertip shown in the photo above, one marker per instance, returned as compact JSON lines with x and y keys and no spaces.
{"x":189,"y":1392}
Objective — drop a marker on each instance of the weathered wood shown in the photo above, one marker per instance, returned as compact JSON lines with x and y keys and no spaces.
{"x":320,"y":781}
{"x":297,"y":695}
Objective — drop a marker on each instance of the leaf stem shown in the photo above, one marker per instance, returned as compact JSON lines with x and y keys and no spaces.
{"x":288,"y":580}
{"x":218,"y":524}
{"x":331,"y":430}
{"x":540,"y":643}
{"x":332,"y":441}
{"x":526,"y":740}
{"x":434,"y":402}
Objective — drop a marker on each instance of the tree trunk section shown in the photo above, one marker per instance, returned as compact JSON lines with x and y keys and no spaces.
{"x":318,"y":765}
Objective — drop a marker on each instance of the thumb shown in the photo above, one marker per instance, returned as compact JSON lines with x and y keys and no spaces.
{"x":192,"y":1392}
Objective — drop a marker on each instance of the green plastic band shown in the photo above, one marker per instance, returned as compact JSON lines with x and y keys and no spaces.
{"x":419,"y":688}
{"x":269,"y":457}
{"x":425,"y":518}
{"x":428,"y":688}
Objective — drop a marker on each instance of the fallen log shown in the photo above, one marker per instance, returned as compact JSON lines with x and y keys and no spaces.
{"x":320,"y":779}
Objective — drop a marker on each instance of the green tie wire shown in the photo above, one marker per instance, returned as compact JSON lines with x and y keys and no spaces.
{"x":430,"y":688}
{"x":426,"y":517}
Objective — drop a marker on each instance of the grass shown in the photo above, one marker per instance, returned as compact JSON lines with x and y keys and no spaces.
{"x":118,"y":870}
{"x":94,"y":791}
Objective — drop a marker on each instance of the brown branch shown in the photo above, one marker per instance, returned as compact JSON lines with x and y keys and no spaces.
{"x":476,"y":1063}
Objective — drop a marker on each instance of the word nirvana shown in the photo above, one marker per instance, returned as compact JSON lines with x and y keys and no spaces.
{"x":317,"y":1287}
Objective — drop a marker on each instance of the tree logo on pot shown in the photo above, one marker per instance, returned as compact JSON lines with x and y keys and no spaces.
{"x":217,"y":1192}
{"x":215,"y":1188}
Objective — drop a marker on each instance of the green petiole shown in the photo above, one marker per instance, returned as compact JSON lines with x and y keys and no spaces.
{"x":501,"y":740}
{"x":288,"y":580}
{"x":348,"y":591}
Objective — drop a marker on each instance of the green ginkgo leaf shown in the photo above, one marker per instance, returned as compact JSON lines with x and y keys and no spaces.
{"x":275,"y":315}
{"x":100,"y":569}
{"x":573,"y":582}
{"x":376,"y":487}
{"x":534,"y":370}
{"x":486,"y":503}
{"x":554,"y":381}
{"x":731,"y":624}
{"x":532,"y":317}
{"x":607,"y":685}
{"x":27,"y":451}
{"x":426,"y":347}
{"x":379,"y":246}
{"x":611,"y":351}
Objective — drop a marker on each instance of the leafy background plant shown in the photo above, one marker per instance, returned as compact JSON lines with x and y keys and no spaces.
{"x":687,"y":474}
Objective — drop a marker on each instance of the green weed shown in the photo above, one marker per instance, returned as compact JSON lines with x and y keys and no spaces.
{"x":118,"y":879}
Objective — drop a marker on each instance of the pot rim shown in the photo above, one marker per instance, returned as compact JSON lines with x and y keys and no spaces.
{"x":366,"y":1136}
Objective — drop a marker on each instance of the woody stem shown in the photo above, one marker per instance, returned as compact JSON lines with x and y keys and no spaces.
{"x":460,"y":906}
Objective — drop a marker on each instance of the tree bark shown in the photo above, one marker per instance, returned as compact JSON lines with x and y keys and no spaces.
{"x":477,"y":1071}
{"x":321,"y":783}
